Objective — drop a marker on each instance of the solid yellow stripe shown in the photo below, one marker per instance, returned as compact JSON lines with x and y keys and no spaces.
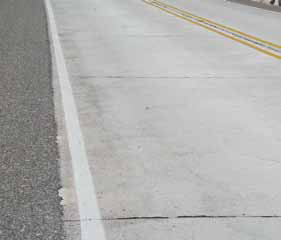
{"x":213,"y":30}
{"x":222,"y":26}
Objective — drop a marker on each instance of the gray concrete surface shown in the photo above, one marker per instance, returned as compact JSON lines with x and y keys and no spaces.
{"x":177,"y":120}
{"x":29,"y":173}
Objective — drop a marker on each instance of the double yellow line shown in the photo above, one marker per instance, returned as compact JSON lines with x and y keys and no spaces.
{"x":258,"y":44}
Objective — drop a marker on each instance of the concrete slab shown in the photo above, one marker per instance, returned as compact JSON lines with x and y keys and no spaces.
{"x":199,"y":146}
{"x":177,"y":121}
{"x":198,"y":229}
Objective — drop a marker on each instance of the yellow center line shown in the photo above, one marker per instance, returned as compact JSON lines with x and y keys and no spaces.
{"x":220,"y":25}
{"x":157,"y":4}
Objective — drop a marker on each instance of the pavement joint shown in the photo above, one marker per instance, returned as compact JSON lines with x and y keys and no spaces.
{"x":177,"y":77}
{"x":172,"y":218}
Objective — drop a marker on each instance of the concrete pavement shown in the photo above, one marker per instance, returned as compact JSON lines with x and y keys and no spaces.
{"x":181,"y":125}
{"x":167,"y":124}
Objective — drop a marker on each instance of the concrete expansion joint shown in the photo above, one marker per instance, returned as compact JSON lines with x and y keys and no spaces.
{"x":174,"y":77}
{"x":173,"y":218}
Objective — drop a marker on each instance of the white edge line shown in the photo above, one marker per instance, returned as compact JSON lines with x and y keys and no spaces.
{"x":92,"y":228}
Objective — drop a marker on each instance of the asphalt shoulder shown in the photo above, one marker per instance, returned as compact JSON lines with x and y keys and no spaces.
{"x":29,"y":169}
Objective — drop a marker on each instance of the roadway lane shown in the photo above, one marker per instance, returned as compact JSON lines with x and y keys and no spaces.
{"x":29,"y":176}
{"x":178,"y":121}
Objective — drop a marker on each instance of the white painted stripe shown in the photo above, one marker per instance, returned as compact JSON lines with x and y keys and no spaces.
{"x":91,"y":224}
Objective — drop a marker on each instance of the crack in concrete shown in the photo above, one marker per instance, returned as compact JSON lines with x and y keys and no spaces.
{"x":173,"y":218}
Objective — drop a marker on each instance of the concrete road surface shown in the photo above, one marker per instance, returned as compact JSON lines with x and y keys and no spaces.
{"x":181,"y":124}
{"x":169,"y":120}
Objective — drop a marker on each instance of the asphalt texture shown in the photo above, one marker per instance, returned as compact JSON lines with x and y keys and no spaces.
{"x":29,"y":169}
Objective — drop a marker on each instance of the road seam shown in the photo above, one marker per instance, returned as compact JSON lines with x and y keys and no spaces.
{"x":173,"y":218}
{"x":85,"y":189}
